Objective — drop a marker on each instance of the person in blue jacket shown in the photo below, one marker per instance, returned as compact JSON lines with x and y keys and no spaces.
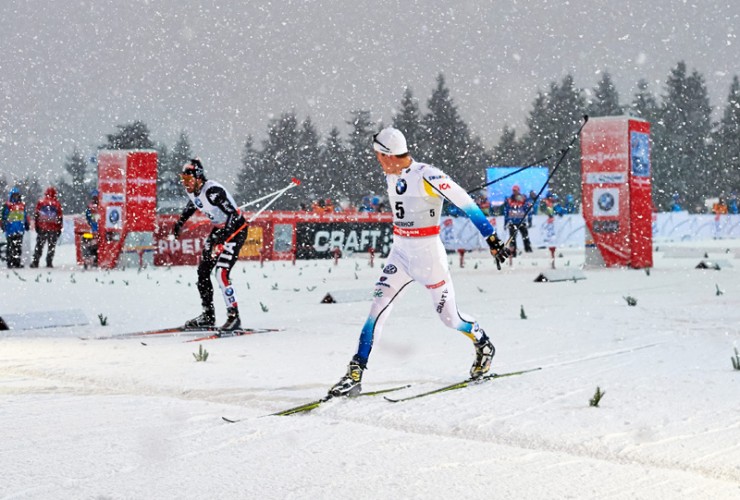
{"x":515,"y":211}
{"x":14,"y":221}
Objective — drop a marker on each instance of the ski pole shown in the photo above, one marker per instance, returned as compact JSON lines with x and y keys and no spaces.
{"x":277,"y":194}
{"x":533,"y":164}
{"x":562,"y":157}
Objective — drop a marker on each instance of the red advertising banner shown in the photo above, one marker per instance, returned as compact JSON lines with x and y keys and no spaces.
{"x":641,"y":197}
{"x":281,"y":235}
{"x":141,"y":191}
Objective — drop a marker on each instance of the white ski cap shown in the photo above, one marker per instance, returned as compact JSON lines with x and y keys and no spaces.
{"x":390,"y":141}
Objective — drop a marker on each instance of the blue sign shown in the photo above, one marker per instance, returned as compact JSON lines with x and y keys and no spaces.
{"x":530,"y":179}
{"x":640,"y":154}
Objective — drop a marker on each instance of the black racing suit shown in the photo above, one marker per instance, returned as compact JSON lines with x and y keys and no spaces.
{"x":221,"y":247}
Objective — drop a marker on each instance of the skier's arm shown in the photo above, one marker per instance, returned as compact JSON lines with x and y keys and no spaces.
{"x":444,"y":186}
{"x":184,"y":216}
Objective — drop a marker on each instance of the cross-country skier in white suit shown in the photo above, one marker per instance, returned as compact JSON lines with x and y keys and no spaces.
{"x":416,"y":192}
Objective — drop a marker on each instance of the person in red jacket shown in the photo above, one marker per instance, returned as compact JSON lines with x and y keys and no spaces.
{"x":48,"y":220}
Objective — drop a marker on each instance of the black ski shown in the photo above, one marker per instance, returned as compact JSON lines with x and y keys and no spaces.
{"x":315,"y":404}
{"x":463,"y":384}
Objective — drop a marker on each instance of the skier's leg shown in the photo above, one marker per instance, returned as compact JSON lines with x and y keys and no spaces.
{"x":225,"y":263}
{"x":436,"y":276}
{"x":388,"y":288}
{"x":205,"y":289}
{"x":445,"y":304}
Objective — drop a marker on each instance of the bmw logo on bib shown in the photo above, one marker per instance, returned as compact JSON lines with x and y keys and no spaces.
{"x":401,"y":186}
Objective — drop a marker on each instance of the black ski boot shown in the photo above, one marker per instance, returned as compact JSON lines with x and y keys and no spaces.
{"x":484,"y":352}
{"x":232,"y":320}
{"x":207,"y":319}
{"x":349,"y":385}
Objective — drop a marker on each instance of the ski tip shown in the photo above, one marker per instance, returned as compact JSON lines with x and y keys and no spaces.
{"x":229,"y":420}
{"x":296,"y":181}
{"x":391,"y":400}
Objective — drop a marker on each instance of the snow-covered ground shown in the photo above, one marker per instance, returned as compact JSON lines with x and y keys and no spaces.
{"x":140,"y":418}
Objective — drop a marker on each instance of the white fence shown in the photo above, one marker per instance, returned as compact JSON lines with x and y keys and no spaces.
{"x":569,"y":230}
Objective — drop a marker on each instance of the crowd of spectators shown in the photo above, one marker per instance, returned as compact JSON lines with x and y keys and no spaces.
{"x":369,"y":203}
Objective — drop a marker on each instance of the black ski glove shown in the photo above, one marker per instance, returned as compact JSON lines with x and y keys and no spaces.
{"x":499,"y":252}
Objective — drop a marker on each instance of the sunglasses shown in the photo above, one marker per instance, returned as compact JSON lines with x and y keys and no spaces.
{"x":376,"y":141}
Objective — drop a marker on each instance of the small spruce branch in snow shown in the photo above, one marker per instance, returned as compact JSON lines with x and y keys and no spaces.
{"x":631,"y":301}
{"x":736,"y":360}
{"x":719,"y":291}
{"x":103,"y":320}
{"x":522,"y":314}
{"x":594,"y":401}
{"x":264,"y":307}
{"x":201,"y":355}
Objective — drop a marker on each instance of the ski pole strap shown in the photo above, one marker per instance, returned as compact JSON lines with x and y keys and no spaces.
{"x":417,"y":232}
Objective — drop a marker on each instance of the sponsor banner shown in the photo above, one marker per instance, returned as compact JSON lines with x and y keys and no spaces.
{"x":640,"y":154}
{"x":113,"y":217}
{"x":318,"y":240}
{"x":606,"y":178}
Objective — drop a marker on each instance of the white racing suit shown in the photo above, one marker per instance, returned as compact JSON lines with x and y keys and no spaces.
{"x":416,"y":196}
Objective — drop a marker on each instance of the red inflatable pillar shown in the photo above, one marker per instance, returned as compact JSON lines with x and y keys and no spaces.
{"x":127,"y":185}
{"x":617,"y":197}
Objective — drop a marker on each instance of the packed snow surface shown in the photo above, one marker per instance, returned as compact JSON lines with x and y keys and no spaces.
{"x":141,"y":418}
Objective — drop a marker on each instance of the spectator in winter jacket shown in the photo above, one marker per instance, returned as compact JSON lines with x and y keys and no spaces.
{"x":14,"y":221}
{"x":720,"y":208}
{"x":515,"y":211}
{"x":676,"y":205}
{"x":48,"y":221}
{"x":90,"y":240}
{"x":732,"y":206}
